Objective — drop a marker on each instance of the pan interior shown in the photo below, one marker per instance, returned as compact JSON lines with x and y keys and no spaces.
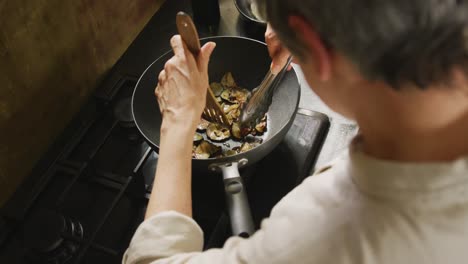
{"x":231,"y":143}
{"x":248,"y":60}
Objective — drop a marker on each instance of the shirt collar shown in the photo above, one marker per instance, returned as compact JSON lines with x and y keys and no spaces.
{"x":401,"y":179}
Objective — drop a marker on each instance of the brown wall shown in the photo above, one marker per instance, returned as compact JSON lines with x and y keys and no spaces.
{"x":52,"y":55}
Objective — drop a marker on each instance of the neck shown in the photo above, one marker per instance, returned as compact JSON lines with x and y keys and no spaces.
{"x":415,"y":125}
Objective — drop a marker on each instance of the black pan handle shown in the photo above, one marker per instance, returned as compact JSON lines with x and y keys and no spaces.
{"x":237,"y":202}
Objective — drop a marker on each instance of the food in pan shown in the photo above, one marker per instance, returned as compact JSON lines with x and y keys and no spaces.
{"x":217,"y":132}
{"x":197,"y":138}
{"x":203,"y":125}
{"x":231,"y":98}
{"x":206,"y":150}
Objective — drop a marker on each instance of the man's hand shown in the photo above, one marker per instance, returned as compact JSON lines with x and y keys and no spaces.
{"x":183,"y":84}
{"x":278,"y":53}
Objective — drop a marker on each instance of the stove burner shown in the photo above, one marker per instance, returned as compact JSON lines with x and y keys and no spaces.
{"x":51,"y":237}
{"x":123,"y":112}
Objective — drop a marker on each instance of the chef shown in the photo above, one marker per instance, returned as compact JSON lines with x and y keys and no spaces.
{"x":399,"y":195}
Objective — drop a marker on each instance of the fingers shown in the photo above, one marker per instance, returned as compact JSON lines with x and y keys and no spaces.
{"x":183,"y":79}
{"x":162,"y":104}
{"x":181,"y":51}
{"x":157,"y":92}
{"x":204,"y":56}
{"x":159,"y":87}
{"x":279,"y":60}
{"x":272,"y":41}
{"x":278,"y":53}
{"x":162,"y":76}
{"x":177,"y":45}
{"x":273,"y":46}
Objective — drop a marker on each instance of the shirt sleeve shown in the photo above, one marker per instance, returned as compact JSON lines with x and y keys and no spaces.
{"x":164,"y":235}
{"x":171,"y":237}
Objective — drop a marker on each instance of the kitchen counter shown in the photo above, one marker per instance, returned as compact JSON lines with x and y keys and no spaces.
{"x":153,"y":41}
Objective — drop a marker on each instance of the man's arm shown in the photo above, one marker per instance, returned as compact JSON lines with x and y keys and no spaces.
{"x":181,"y":94}
{"x":172,"y":188}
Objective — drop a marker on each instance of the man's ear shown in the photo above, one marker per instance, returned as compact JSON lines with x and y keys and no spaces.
{"x":311,"y":39}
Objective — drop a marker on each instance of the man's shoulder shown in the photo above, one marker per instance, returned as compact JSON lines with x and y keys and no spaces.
{"x":331,"y":181}
{"x":316,"y":216}
{"x":330,"y":188}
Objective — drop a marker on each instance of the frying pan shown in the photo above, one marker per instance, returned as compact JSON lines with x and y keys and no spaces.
{"x":248,"y":60}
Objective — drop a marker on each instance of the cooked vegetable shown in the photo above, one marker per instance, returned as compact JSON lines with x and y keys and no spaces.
{"x":229,"y":152}
{"x":197,"y":138}
{"x":228,"y":80}
{"x":217,"y":88}
{"x":201,"y":155}
{"x":236,"y":131}
{"x":206,"y":150}
{"x":231,"y":97}
{"x":233,"y":115}
{"x":261,"y":126}
{"x":235,"y":95}
{"x":203,"y":125}
{"x":246,"y":146}
{"x":230,"y":107}
{"x":232,"y":111}
{"x":218,"y":132}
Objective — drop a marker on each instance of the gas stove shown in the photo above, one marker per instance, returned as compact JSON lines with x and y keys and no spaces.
{"x":86,"y":197}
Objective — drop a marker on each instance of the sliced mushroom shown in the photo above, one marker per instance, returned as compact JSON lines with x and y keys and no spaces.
{"x":246,"y":146}
{"x":197,"y":138}
{"x":236,"y":131}
{"x":206,"y":150}
{"x":203,"y":125}
{"x":230,"y":152}
{"x":235,"y":95}
{"x":228,"y":80}
{"x":201,"y":156}
{"x":231,"y":97}
{"x":230,"y":107}
{"x":261,"y":127}
{"x":226,"y":95}
{"x":218,"y":132}
{"x":217,"y":88}
{"x":233,"y":115}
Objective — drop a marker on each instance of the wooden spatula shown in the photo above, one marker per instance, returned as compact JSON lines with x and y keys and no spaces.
{"x":189,"y":34}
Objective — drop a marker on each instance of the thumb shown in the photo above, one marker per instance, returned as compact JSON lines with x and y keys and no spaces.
{"x":204,"y":56}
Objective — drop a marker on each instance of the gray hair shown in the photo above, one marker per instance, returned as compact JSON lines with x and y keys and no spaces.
{"x":397,"y":41}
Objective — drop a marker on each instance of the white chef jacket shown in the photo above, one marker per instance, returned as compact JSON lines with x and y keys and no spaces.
{"x":360,"y":210}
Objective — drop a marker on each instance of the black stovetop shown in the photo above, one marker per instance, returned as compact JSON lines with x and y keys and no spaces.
{"x":84,"y":200}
